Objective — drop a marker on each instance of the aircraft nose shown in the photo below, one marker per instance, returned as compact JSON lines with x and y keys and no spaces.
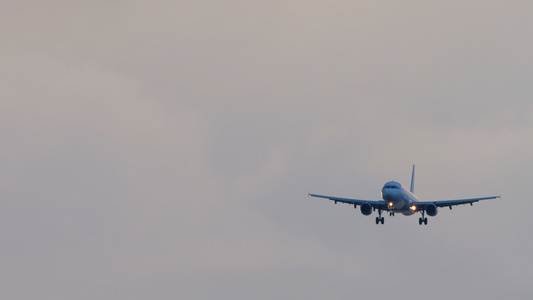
{"x":385,"y":194}
{"x":390,"y":194}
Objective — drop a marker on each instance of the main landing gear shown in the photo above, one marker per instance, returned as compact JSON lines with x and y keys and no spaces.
{"x":422,"y":220}
{"x":380,"y":218}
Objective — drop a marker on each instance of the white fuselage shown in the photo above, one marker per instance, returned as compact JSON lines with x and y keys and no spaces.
{"x":398,"y":199}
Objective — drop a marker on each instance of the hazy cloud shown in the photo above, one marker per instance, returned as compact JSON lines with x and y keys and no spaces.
{"x":164,"y":150}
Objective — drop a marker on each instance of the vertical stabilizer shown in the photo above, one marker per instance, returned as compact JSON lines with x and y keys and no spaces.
{"x":413,"y":180}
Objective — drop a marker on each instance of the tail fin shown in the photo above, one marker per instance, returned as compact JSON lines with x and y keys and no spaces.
{"x":413,"y":180}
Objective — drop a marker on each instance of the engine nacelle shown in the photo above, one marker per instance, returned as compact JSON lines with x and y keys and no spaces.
{"x":431,"y":210}
{"x":366,"y":209}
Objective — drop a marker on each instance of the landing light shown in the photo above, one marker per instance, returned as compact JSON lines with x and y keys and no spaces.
{"x":391,"y":204}
{"x":413,"y":208}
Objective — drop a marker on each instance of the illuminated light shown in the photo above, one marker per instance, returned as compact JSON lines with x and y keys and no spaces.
{"x":391,"y":204}
{"x":413,"y":208}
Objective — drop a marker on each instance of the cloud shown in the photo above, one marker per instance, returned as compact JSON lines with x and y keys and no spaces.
{"x":154,"y":150}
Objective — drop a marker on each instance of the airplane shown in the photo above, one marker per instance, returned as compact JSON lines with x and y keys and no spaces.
{"x":396,"y":199}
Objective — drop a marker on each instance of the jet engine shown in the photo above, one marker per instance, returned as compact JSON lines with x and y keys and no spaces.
{"x":431,"y":210}
{"x":366,"y":209}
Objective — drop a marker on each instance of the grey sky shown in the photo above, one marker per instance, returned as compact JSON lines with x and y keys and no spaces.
{"x":156,"y":150}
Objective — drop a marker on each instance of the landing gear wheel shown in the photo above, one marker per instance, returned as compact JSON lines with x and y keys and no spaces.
{"x":379,"y":218}
{"x":423,"y":219}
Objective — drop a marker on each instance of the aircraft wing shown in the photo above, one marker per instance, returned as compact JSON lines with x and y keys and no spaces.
{"x":443,"y":203}
{"x":375,"y":204}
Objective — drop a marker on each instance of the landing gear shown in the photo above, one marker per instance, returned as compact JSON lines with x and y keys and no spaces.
{"x":423,"y":219}
{"x":380,"y":218}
